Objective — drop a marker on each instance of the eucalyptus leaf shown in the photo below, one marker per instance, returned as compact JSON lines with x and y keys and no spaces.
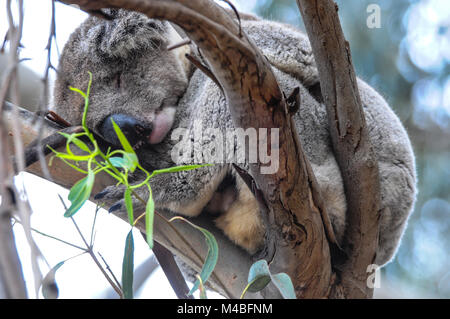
{"x":78,"y":91}
{"x":80,"y":193}
{"x":118,"y":162}
{"x":211,"y":256}
{"x":71,"y":138}
{"x":123,"y":140}
{"x":258,"y":276}
{"x":131,"y":161}
{"x":129,"y":205}
{"x":149,"y":216}
{"x":284,"y":284}
{"x":49,"y":287}
{"x":128,"y":267}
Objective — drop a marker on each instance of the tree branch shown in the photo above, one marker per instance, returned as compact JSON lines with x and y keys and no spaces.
{"x":351,"y":144}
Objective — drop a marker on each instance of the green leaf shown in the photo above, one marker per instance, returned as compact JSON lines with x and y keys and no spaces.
{"x":128,"y":161}
{"x":258,"y":276}
{"x":78,"y":91}
{"x":74,"y":157}
{"x":128,"y":267}
{"x":178,"y":169}
{"x":77,"y":189}
{"x":80,"y":144}
{"x":129,"y":205}
{"x":149,"y":216}
{"x":211,"y":256}
{"x":123,"y":140}
{"x":80,"y":193}
{"x":131,"y":161}
{"x":284,"y":285}
{"x":49,"y":286}
{"x":72,"y":138}
{"x":118,"y":162}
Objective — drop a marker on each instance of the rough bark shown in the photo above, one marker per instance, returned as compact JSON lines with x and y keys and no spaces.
{"x":351,"y":144}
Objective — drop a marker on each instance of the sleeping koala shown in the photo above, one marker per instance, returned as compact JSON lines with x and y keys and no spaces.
{"x":150,"y":92}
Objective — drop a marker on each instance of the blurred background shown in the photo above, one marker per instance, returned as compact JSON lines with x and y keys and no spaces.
{"x":406,"y":58}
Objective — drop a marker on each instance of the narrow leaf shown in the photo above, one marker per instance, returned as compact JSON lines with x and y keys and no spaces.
{"x":80,"y":144}
{"x":149,"y":216}
{"x":77,"y":189}
{"x":211,"y":256}
{"x":80,"y":193}
{"x":123,"y":140}
{"x":49,"y":287}
{"x":128,"y":267}
{"x":78,"y":91}
{"x":129,"y":205}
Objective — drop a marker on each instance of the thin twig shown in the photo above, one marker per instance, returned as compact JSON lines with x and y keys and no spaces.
{"x":91,"y":241}
{"x":93,"y":256}
{"x":203,"y":68}
{"x":110,"y":271}
{"x":52,"y":237}
{"x":179,"y":44}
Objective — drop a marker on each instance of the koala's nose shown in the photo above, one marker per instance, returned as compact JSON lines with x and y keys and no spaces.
{"x":133,"y":129}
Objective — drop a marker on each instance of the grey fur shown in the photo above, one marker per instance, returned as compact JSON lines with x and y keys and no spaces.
{"x":153,"y":78}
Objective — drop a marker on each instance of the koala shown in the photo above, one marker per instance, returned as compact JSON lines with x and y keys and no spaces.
{"x":151,"y":92}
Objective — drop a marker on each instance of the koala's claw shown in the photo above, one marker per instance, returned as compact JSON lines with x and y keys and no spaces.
{"x":116,"y":207}
{"x":101,"y":194}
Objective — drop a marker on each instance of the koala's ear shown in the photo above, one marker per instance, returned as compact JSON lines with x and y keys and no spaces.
{"x":175,"y":35}
{"x":125,"y":34}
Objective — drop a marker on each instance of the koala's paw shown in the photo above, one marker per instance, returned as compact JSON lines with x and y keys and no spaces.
{"x":113,"y":196}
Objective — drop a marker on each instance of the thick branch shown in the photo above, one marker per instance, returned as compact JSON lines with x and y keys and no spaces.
{"x":352,"y":147}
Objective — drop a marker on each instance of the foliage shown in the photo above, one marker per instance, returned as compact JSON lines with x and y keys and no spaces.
{"x":260,"y":276}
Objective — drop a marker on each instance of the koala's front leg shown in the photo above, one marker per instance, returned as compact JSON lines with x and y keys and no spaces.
{"x":185,"y":192}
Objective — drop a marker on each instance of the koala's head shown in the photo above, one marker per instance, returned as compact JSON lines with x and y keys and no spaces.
{"x":137,"y":82}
